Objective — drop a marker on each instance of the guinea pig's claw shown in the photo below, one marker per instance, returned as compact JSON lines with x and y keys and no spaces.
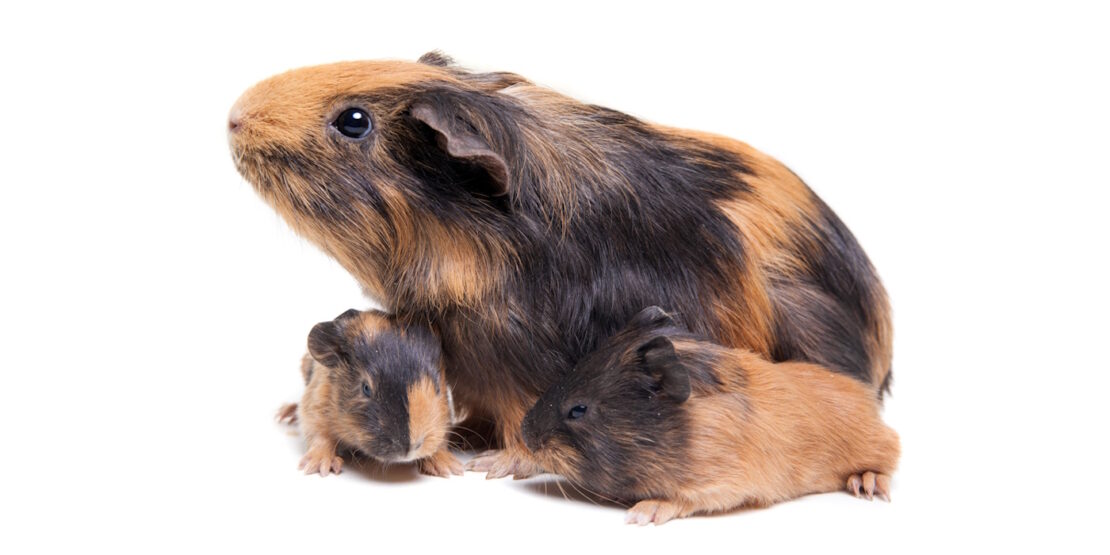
{"x":441,"y":463}
{"x":652,"y":511}
{"x":499,"y":464}
{"x":287,"y":414}
{"x":870,"y":485}
{"x":323,"y":463}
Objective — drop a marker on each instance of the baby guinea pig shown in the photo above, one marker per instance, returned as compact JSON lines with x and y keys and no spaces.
{"x":681,"y":425}
{"x":375,"y":388}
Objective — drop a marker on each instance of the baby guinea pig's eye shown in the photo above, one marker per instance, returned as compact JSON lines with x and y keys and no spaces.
{"x":366,"y":389}
{"x":576,"y":412}
{"x":354,"y":123}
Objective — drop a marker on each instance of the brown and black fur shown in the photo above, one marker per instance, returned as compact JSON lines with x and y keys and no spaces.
{"x":525,"y":227}
{"x":376,"y":389}
{"x":678,"y":425}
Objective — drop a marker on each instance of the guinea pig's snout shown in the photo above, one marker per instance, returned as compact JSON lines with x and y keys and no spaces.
{"x":390,"y":450}
{"x":235,"y":119}
{"x":532,"y":436}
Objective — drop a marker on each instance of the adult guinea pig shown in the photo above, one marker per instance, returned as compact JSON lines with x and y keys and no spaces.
{"x":681,"y":425}
{"x":374,"y":388}
{"x":525,"y":226}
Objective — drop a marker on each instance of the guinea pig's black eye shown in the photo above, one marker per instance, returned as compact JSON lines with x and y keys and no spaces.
{"x":366,"y":389}
{"x":576,"y":412}
{"x":353,"y":123}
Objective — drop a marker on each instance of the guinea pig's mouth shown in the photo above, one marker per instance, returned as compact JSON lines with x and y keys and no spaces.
{"x":392,"y":458}
{"x":409,"y":457}
{"x":248,"y":166}
{"x":264,"y":171}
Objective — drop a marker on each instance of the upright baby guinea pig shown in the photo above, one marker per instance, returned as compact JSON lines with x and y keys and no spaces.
{"x":681,"y":426}
{"x":376,"y":388}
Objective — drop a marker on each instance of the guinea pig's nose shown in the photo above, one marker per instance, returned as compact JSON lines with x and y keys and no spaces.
{"x":530,"y":440}
{"x":236,"y":116}
{"x":234,"y":120}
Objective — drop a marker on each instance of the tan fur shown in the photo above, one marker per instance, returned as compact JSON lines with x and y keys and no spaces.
{"x":317,"y":417}
{"x":775,"y":432}
{"x":301,"y":94}
{"x":428,"y":418}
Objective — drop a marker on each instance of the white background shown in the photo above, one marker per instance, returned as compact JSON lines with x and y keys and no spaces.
{"x":154,"y":310}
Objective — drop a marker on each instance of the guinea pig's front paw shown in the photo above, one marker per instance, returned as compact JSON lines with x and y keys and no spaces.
{"x":870,"y":485}
{"x":499,"y":464}
{"x":287,"y":414}
{"x":322,"y":460}
{"x":653,"y":511}
{"x":441,"y":463}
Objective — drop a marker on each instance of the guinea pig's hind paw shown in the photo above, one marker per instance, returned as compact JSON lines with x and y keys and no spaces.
{"x":287,"y":414}
{"x":441,"y":463}
{"x":870,"y":485}
{"x":652,"y":511}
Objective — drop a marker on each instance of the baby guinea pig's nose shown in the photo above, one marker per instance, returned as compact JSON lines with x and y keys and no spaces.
{"x":527,"y":429}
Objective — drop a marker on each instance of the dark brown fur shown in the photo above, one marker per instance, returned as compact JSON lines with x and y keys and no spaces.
{"x":525,"y":227}
{"x":680,"y":425}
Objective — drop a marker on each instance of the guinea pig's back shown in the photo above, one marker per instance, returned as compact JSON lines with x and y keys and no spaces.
{"x":795,"y":428}
{"x":804,"y":262}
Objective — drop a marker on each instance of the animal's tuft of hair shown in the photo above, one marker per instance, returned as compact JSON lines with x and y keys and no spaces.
{"x":436,"y":58}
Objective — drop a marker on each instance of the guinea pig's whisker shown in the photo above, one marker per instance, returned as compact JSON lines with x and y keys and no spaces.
{"x":463,"y":442}
{"x":559,"y":485}
{"x":594,"y":495}
{"x":465,"y":429}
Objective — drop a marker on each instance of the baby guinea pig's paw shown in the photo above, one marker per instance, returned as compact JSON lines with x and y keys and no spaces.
{"x":653,"y":511}
{"x":321,"y":459}
{"x":870,"y":485}
{"x":441,"y":463}
{"x":287,"y":414}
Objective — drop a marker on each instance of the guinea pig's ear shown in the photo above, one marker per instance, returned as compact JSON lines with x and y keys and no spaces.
{"x":461,"y":140}
{"x":326,"y":344}
{"x":659,"y":360}
{"x":652,"y":317}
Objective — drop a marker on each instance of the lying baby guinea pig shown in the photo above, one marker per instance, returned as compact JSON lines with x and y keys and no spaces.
{"x":681,"y":425}
{"x":377,"y":389}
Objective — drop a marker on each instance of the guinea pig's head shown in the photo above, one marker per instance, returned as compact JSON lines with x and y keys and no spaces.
{"x":396,"y":169}
{"x":616,"y":420}
{"x":387,"y":386}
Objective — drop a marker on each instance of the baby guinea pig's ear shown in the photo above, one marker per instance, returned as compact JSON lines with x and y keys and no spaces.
{"x":326,"y":344}
{"x":461,"y":139}
{"x":348,"y":314}
{"x":659,"y":360}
